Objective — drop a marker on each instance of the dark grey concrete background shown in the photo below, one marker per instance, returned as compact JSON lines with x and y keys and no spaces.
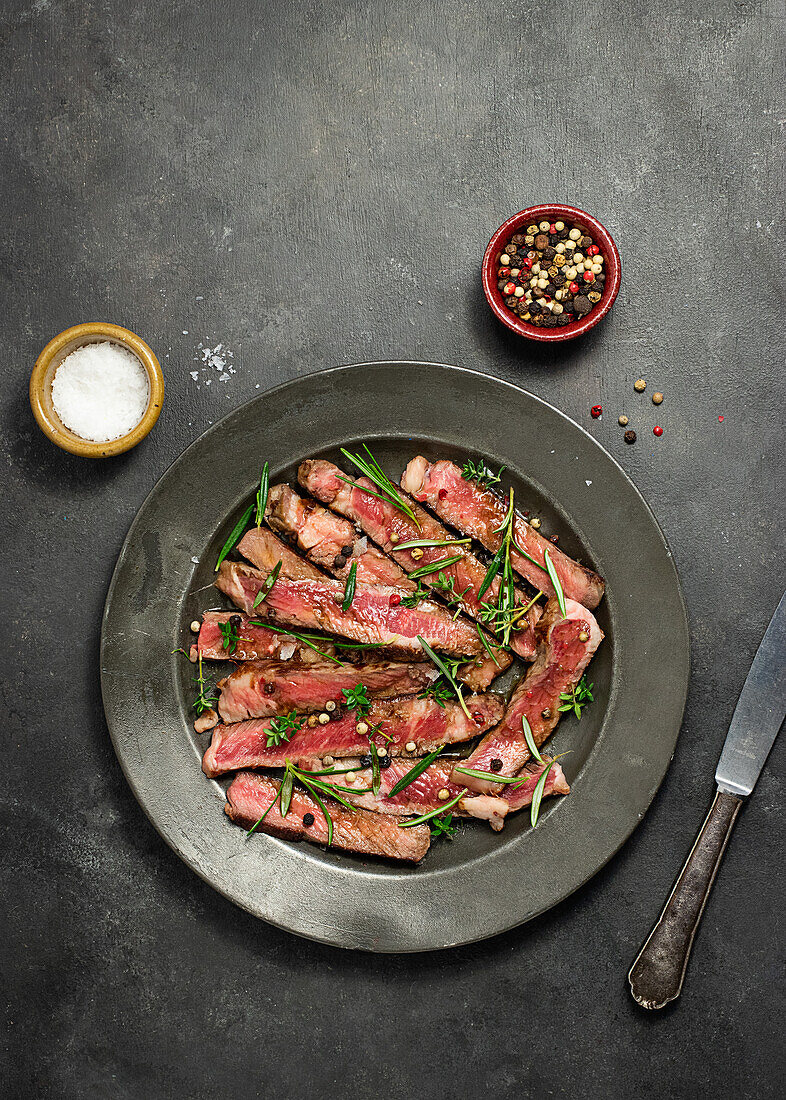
{"x":309,"y":184}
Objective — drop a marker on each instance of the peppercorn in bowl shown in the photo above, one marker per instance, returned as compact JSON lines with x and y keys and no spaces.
{"x":551,"y":272}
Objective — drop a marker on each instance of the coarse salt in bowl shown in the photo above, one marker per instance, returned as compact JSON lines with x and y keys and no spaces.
{"x":96,"y":390}
{"x":100,"y":391}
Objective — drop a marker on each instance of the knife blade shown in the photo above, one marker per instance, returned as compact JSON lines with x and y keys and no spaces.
{"x":759,"y":712}
{"x":658,"y":971}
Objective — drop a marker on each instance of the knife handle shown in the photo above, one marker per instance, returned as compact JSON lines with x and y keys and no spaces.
{"x":657,"y":974}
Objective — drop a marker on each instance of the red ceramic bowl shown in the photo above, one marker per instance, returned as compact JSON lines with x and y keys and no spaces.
{"x":517,"y":224}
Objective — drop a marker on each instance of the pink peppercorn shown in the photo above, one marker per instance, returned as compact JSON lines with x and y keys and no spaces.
{"x":508,"y":288}
{"x":596,"y":411}
{"x":657,"y":430}
{"x":442,"y":494}
{"x":574,"y":288}
{"x":394,"y":601}
{"x":589,"y":277}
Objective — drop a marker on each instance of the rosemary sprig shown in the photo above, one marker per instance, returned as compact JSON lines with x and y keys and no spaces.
{"x":269,"y":581}
{"x":492,"y":777}
{"x":234,"y":538}
{"x":434,"y":566}
{"x":229,"y":636}
{"x":517,"y":781}
{"x":529,"y":557}
{"x":433,"y":813}
{"x":285,"y":792}
{"x":414,"y":544}
{"x":282,"y":728}
{"x":264,"y":483}
{"x":376,"y":773}
{"x":552,"y":572}
{"x":314,"y":787}
{"x":577,"y":698}
{"x":374,"y":472}
{"x":414,"y":772}
{"x":537,"y":794}
{"x":349,"y":587}
{"x":442,"y":826}
{"x":304,"y":639}
{"x":529,"y":738}
{"x":481,"y":473}
{"x":357,"y":699}
{"x":447,"y":671}
{"x":203,"y":701}
{"x":486,"y":645}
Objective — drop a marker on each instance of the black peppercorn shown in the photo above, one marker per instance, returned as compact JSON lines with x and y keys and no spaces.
{"x":365,"y":761}
{"x":630,"y":436}
{"x":308,"y":820}
{"x":339,"y":561}
{"x":495,"y":765}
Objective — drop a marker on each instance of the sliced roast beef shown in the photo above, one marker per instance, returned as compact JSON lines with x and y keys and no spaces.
{"x":259,"y":689}
{"x":375,"y":616}
{"x":264,"y":550}
{"x":459,"y":583}
{"x":250,"y":796}
{"x":247,"y":642}
{"x":330,"y":541}
{"x":392,"y":723}
{"x":480,"y":512}
{"x":565,"y":649}
{"x":423,"y":794}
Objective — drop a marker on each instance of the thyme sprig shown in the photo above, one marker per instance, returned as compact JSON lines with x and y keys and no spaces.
{"x":262,"y":492}
{"x":234,"y":537}
{"x":445,"y":586}
{"x":357,"y":699}
{"x":481,"y":473}
{"x":267,"y":584}
{"x":282,"y":728}
{"x":440,"y":691}
{"x":577,"y":698}
{"x":448,"y":669}
{"x":349,"y":587}
{"x":377,"y":476}
{"x":420,"y":593}
{"x":206,"y":698}
{"x":442,"y":826}
{"x":229,"y":635}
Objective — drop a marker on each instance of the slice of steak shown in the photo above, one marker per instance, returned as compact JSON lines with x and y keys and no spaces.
{"x":260,"y":689}
{"x":250,"y":796}
{"x":376,"y":615}
{"x":562,"y":658}
{"x":264,"y":550}
{"x":479,"y":512}
{"x":459,"y":583}
{"x":392,"y":723}
{"x":249,"y":642}
{"x":331,"y":542}
{"x":422,"y":795}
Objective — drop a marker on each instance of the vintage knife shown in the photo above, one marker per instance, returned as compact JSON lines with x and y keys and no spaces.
{"x":657,"y":974}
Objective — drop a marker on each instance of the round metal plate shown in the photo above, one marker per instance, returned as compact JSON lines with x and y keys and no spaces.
{"x":481,"y":883}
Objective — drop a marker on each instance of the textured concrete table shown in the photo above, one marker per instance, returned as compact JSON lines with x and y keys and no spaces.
{"x":308,"y":184}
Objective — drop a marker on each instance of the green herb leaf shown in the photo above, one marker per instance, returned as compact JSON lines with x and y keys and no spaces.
{"x":262,"y":494}
{"x":529,"y":557}
{"x":357,"y":699}
{"x":420,"y":593}
{"x":234,"y":538}
{"x":486,"y":645}
{"x":537,"y":794}
{"x":377,"y":476}
{"x":285,"y":794}
{"x":577,"y":698}
{"x":229,"y":635}
{"x":414,"y":772}
{"x":376,"y":774}
{"x":446,"y":671}
{"x":206,"y":698}
{"x":442,"y":826}
{"x":282,"y":728}
{"x":552,"y":572}
{"x":349,"y":587}
{"x":425,"y":570}
{"x":481,"y":473}
{"x":491,"y":572}
{"x":264,"y":815}
{"x":433,"y":813}
{"x":492,"y":777}
{"x":533,"y":748}
{"x":415,"y":543}
{"x":270,"y":580}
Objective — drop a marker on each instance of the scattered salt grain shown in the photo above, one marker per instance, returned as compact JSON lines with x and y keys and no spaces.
{"x":100,"y":391}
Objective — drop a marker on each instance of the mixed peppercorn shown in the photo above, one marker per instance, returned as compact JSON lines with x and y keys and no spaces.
{"x":551,"y":274}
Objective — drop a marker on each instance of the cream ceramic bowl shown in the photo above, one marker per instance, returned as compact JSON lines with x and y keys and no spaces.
{"x":44,"y":371}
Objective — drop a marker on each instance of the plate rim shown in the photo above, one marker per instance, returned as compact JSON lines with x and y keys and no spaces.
{"x":277,"y":390}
